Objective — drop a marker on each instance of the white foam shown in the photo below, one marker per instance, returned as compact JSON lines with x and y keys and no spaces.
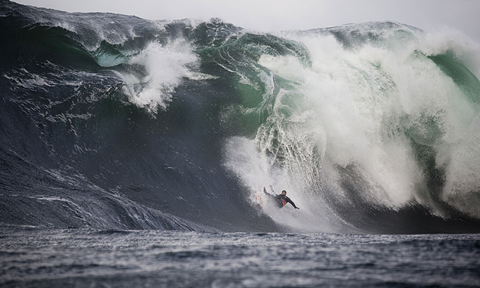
{"x":165,"y":65}
{"x":358,"y":108}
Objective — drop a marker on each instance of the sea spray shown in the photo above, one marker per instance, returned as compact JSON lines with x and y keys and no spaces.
{"x":165,"y":66}
{"x":372,"y":113}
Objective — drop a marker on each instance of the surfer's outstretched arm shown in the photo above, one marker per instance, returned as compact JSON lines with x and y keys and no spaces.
{"x":266,"y":193}
{"x":291,"y":202}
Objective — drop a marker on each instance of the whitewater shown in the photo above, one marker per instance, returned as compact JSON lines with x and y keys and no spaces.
{"x":140,"y":148}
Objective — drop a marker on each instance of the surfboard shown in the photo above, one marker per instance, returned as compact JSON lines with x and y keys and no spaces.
{"x":259,"y":198}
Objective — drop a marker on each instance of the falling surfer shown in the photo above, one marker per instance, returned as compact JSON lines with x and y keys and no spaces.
{"x":281,"y":200}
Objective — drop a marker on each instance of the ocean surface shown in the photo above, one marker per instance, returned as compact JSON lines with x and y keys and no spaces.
{"x":33,"y":257}
{"x":134,"y":153}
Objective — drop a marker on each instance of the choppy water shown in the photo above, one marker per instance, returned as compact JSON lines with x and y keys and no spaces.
{"x":33,"y":257}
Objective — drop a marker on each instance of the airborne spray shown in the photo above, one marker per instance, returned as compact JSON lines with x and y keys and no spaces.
{"x":371,"y":117}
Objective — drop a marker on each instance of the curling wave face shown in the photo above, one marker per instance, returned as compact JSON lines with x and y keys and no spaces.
{"x":129,"y":123}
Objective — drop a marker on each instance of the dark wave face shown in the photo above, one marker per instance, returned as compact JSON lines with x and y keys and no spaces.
{"x":116,"y":122}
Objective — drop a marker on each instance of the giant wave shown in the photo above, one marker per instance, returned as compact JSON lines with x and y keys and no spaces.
{"x":116,"y":122}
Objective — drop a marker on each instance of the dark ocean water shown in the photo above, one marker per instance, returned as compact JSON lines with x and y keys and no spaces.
{"x":32,"y":257}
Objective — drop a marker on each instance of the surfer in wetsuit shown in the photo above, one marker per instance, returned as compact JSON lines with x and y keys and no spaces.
{"x":281,"y":199}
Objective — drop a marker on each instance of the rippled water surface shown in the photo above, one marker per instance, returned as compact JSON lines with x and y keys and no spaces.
{"x":93,"y":258}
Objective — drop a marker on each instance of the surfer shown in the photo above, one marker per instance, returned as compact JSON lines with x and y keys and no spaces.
{"x":281,"y":199}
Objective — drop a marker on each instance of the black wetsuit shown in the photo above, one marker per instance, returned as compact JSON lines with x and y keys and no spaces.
{"x":280,"y":199}
{"x":283,"y":200}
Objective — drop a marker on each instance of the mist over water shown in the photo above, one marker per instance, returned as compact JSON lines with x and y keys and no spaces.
{"x":370,"y":127}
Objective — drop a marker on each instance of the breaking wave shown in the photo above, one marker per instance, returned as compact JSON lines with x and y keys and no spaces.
{"x":114,"y":121}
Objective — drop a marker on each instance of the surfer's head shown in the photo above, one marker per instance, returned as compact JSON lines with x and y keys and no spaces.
{"x":284,"y":192}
